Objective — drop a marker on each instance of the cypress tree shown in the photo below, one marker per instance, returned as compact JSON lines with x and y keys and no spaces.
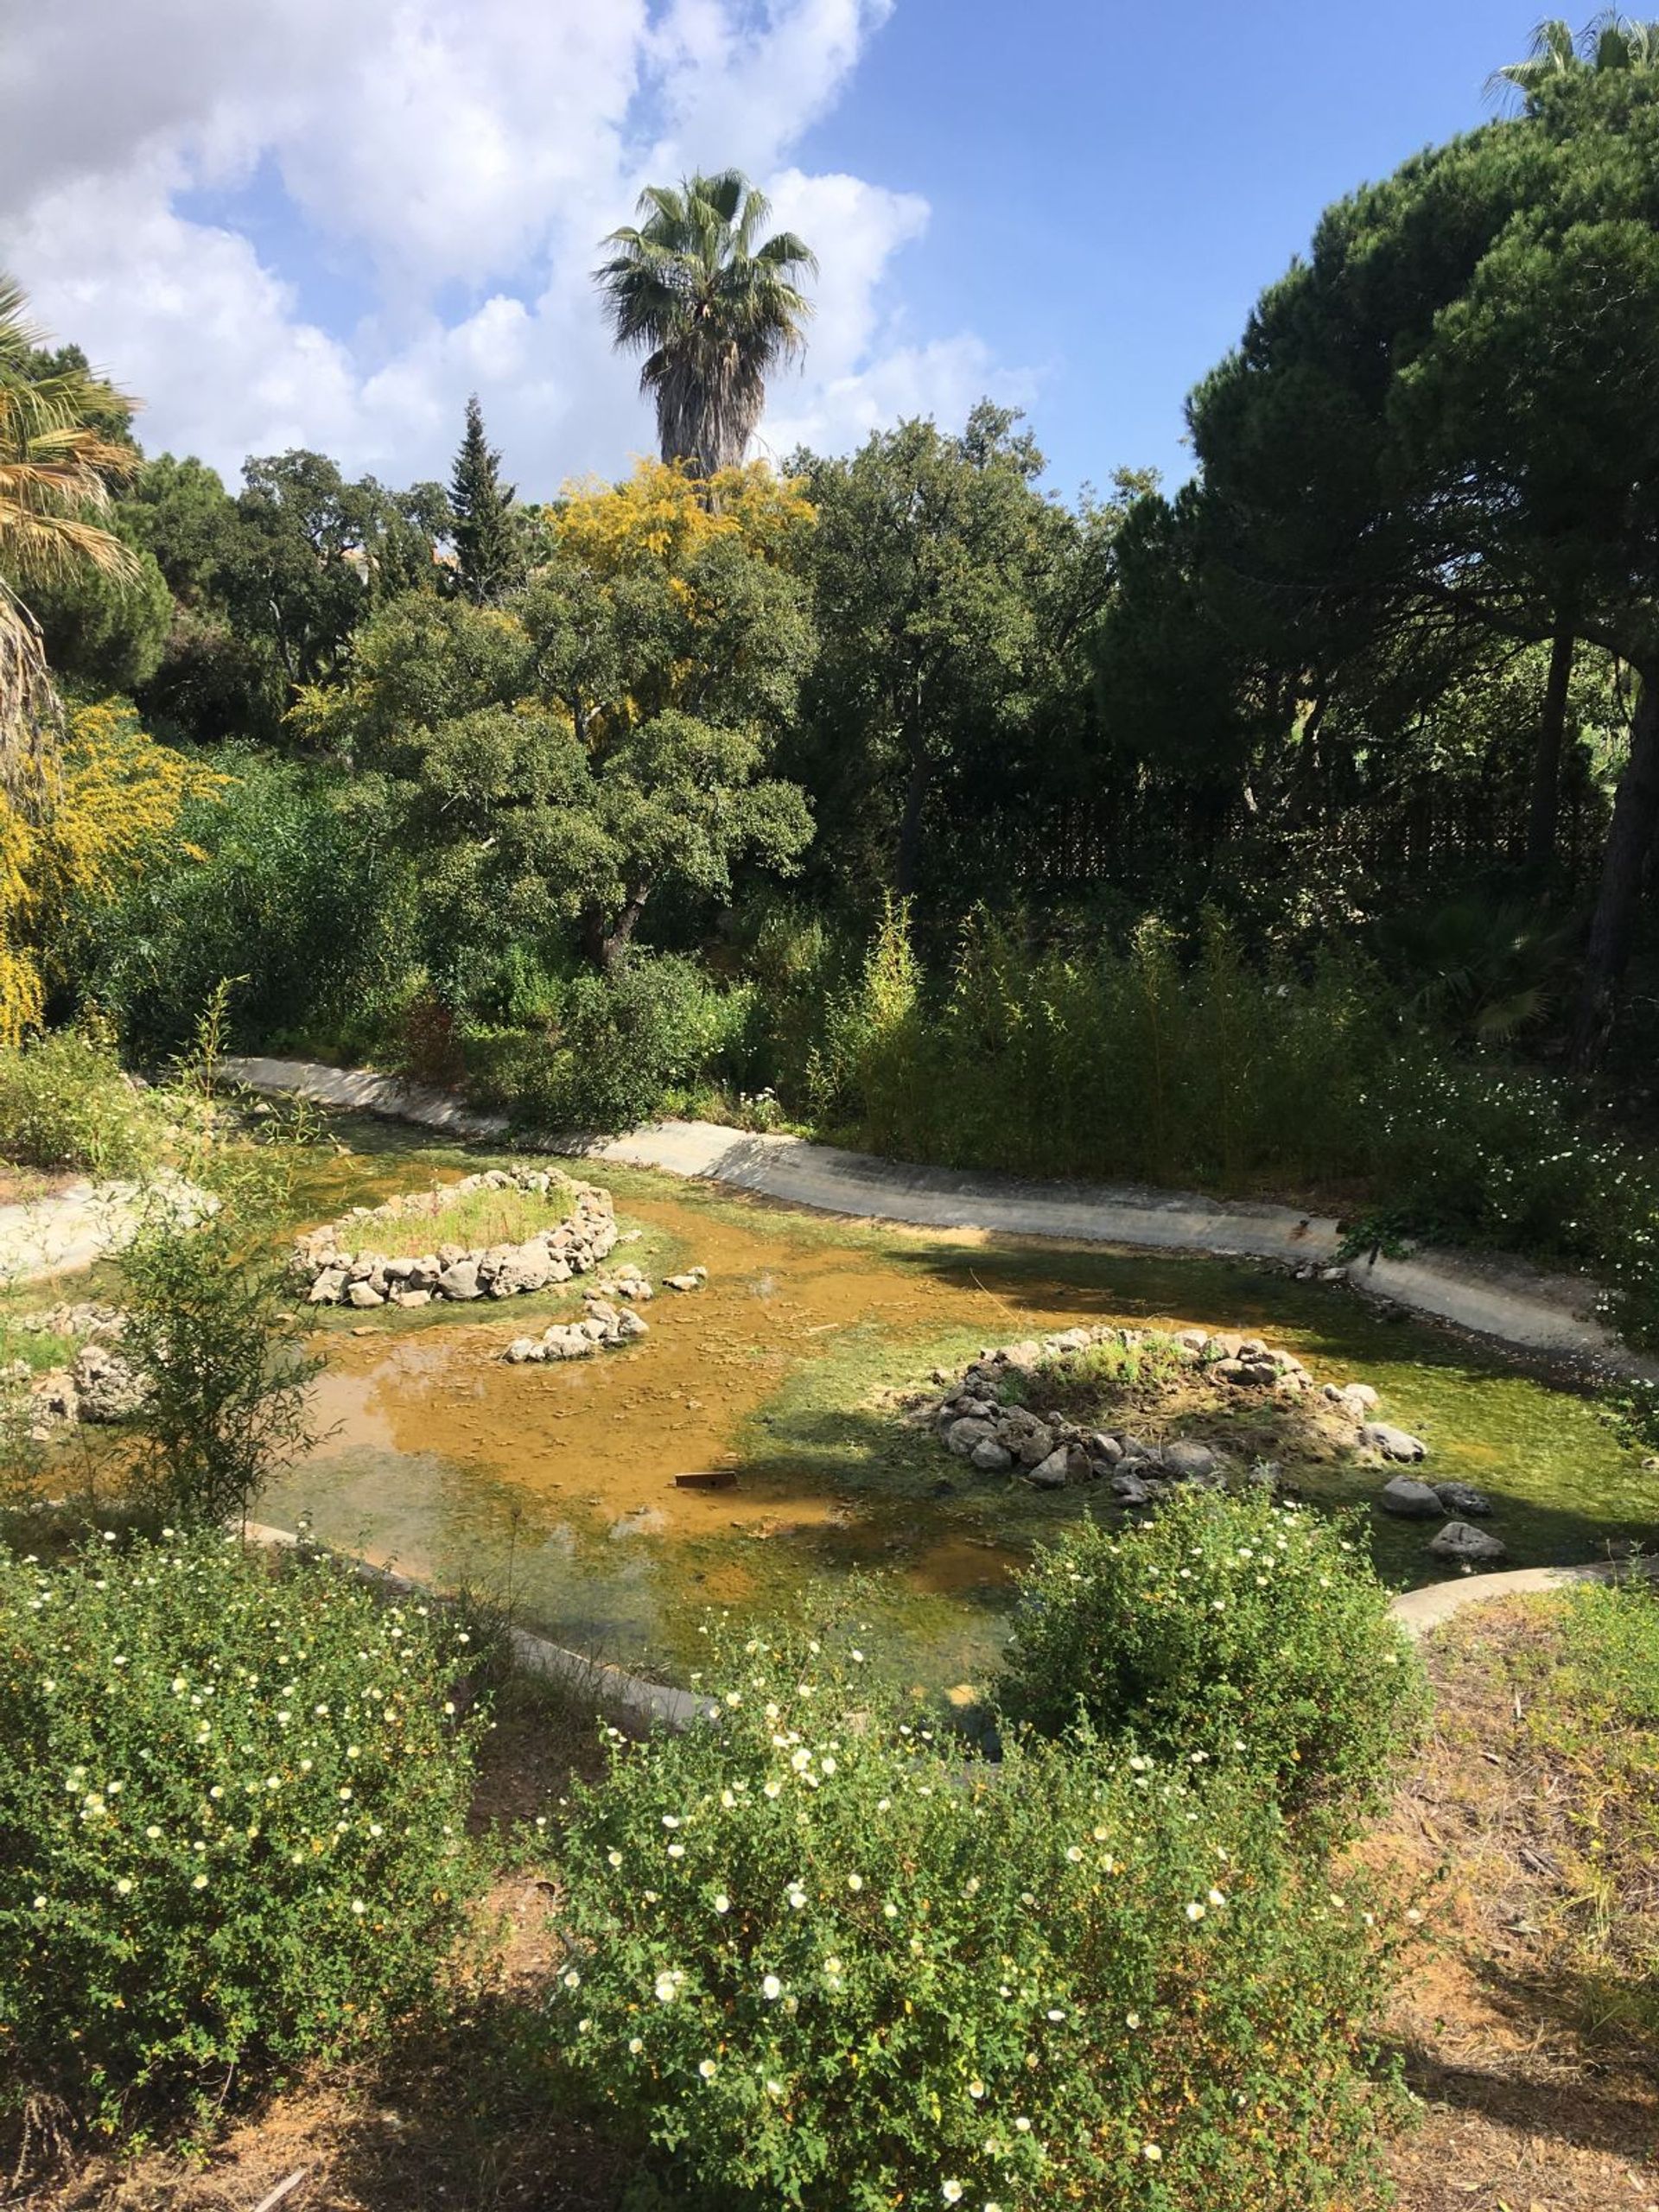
{"x":487,"y":557}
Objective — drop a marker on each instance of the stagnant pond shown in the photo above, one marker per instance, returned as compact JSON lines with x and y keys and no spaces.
{"x":552,"y":1488}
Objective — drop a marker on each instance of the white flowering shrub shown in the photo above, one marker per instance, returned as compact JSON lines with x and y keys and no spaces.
{"x":1223,"y":1630}
{"x":231,"y":1809}
{"x":821,"y":1960}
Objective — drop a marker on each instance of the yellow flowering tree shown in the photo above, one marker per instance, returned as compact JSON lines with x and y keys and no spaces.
{"x":111,"y":806}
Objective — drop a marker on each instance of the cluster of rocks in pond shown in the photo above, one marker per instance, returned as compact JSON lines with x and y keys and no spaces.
{"x":341,"y":1268}
{"x":99,"y":1386}
{"x":982,"y":1417}
{"x":605,"y":1323}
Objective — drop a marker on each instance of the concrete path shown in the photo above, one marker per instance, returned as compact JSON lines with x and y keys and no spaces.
{"x":56,"y":1235}
{"x":1544,"y":1314}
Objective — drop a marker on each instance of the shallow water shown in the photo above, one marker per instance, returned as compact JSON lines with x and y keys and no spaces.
{"x":552,"y":1488}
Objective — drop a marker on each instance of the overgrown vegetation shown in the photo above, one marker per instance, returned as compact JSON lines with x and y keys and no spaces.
{"x":1227,"y":1631}
{"x":820,"y":1957}
{"x":232,"y":1801}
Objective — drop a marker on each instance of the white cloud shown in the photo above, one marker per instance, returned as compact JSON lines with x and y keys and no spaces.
{"x":469,"y":151}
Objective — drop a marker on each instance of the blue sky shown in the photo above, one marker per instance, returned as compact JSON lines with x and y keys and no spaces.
{"x":283,"y":222}
{"x":1112,"y":186}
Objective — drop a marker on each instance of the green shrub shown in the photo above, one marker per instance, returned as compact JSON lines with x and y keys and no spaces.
{"x":1225,"y":1629}
{"x":232,"y":1808}
{"x":822,"y":1959}
{"x":210,"y":1338}
{"x":618,"y":1050}
{"x":65,"y":1102}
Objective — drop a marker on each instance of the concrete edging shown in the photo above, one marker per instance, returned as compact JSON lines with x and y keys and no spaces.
{"x":1532,"y":1313}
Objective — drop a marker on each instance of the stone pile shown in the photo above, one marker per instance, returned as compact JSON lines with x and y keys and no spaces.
{"x":101,"y":1389}
{"x":602,"y":1326}
{"x":341,"y":1268}
{"x":1051,"y":1451}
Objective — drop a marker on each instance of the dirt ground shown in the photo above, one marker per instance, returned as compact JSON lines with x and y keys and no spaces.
{"x":1532,"y":2100}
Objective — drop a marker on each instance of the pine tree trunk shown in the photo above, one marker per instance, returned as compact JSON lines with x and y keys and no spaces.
{"x":1543,"y":814}
{"x":1624,"y":869}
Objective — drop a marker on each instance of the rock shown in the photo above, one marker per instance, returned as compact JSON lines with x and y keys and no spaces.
{"x":106,"y":1387}
{"x":410,"y":1297}
{"x":523,"y":1349}
{"x":364,"y":1294}
{"x":1103,"y":1446}
{"x":630,"y":1325}
{"x":459,"y":1278}
{"x":1358,"y":1398}
{"x":1462,"y":1499}
{"x":990,"y":1457}
{"x":1255,"y":1373}
{"x":1052,"y":1473}
{"x":1188,"y":1461}
{"x":1035,"y":1446}
{"x":1413,"y":1500}
{"x":1469,"y":1547}
{"x":693,"y":1279}
{"x":964,"y":1436}
{"x":1129,"y":1489}
{"x":524,"y":1268}
{"x":1191,"y":1339}
{"x":326,"y":1290}
{"x":1392,"y":1443}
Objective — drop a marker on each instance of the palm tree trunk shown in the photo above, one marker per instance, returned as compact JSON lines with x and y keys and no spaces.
{"x":1624,"y":869}
{"x":1543,"y":813}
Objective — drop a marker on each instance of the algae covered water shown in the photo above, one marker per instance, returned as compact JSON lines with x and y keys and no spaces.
{"x":553,"y":1490}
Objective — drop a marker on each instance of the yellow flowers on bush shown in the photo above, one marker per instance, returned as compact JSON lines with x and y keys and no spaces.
{"x":821,"y":1957}
{"x":232,"y":1806}
{"x":109,"y":806}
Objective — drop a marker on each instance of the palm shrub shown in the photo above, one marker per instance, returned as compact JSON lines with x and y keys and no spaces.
{"x":1226,"y":1630}
{"x":819,"y":1959}
{"x":231,"y":1809}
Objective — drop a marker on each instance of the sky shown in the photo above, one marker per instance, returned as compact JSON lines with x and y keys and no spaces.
{"x":326,"y":222}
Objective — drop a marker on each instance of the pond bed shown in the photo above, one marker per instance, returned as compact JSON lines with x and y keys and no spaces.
{"x":552,"y":1490}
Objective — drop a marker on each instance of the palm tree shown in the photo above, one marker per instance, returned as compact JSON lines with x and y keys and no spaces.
{"x":712,"y":310}
{"x":57,"y":468}
{"x":1610,"y":40}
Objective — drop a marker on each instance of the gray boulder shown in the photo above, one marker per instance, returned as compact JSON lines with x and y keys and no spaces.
{"x":526,"y":1268}
{"x":1129,"y":1489}
{"x":1392,"y":1443}
{"x":1034,"y":1447}
{"x":1053,"y":1473}
{"x":326,"y":1290}
{"x":107,"y":1388}
{"x":1460,"y":1498}
{"x":966,"y":1434}
{"x":1411,"y":1501}
{"x":1467,"y":1546}
{"x":460,"y":1280}
{"x":1189,"y":1462}
{"x":990,"y":1457}
{"x":364,"y":1294}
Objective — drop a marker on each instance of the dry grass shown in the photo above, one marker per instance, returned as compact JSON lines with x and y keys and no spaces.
{"x":1527,"y":2025}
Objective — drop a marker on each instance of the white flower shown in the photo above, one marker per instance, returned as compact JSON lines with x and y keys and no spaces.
{"x":975,"y":2089}
{"x":772,"y":1789}
{"x":635,"y":2046}
{"x":829,"y":1765}
{"x":201,"y":1881}
{"x":1023,"y":2125}
{"x":671,"y":1820}
{"x":123,"y":1887}
{"x":358,"y":1907}
{"x":615,"y":1857}
{"x":774,"y":2088}
{"x":854,"y":1881}
{"x":1131,"y":2019}
{"x":797,"y":1899}
{"x":707,"y":2070}
{"x":573,"y":1980}
{"x":1073,"y":1853}
{"x":771,"y":1988}
{"x":1195,"y":1912}
{"x":722,"y":1903}
{"x":664,"y":1988}
{"x":676,"y":1850}
{"x":951,"y":2191}
{"x":1151,"y":2150}
{"x":1215,"y":1898}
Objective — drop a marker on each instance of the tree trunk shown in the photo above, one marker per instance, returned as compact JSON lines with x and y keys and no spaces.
{"x":1624,"y":866}
{"x":604,"y":942}
{"x":1543,"y":813}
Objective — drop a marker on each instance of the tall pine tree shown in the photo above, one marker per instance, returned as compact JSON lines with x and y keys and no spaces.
{"x":489,"y":561}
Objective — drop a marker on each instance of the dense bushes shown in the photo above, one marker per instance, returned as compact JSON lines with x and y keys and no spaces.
{"x":824,"y":1961}
{"x":232,"y":1807}
{"x":65,"y":1102}
{"x":1229,"y":1630}
{"x":615,"y":1049}
{"x":287,"y":885}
